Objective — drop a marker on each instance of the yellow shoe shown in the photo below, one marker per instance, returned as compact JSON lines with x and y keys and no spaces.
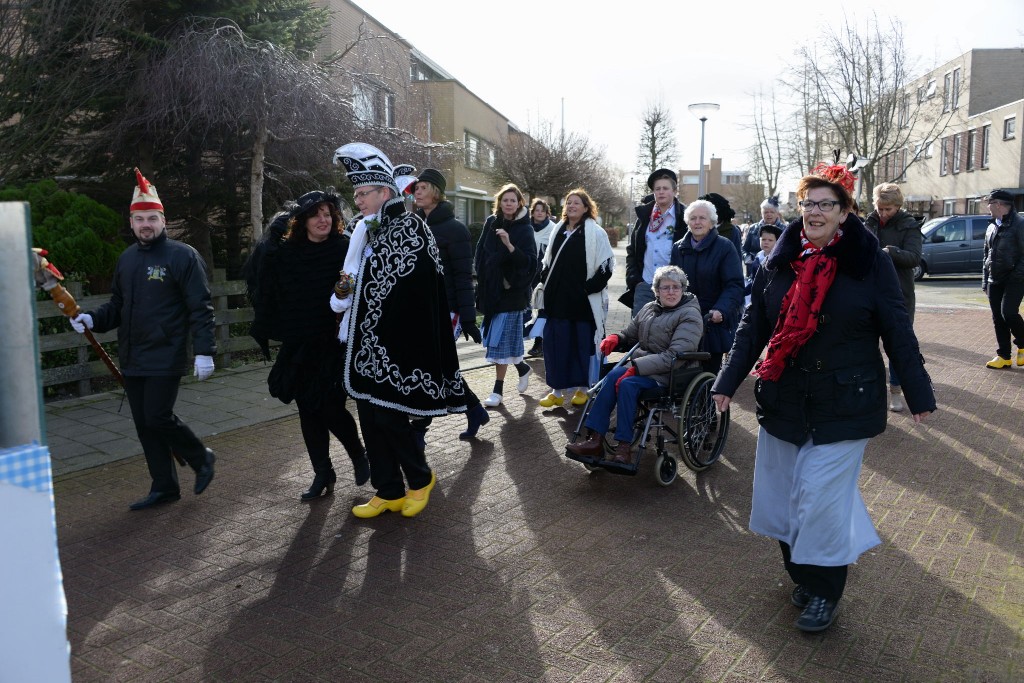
{"x":579,"y":398}
{"x":552,"y":401}
{"x":1000,"y":363}
{"x":376,"y":506}
{"x":1020,"y":357}
{"x":416,"y":499}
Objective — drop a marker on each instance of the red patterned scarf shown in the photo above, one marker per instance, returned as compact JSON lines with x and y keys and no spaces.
{"x":801,"y":306}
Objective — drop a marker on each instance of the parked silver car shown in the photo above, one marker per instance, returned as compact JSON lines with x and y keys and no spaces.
{"x":953,"y":245}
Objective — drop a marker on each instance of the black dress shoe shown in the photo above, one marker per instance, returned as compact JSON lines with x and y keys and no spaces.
{"x":154,"y":498}
{"x":818,"y":615}
{"x":205,"y":474}
{"x":801,"y":596}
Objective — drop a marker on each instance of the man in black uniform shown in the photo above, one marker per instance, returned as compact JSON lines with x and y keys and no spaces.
{"x":159,"y":294}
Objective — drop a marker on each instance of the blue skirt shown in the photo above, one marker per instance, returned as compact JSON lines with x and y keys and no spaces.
{"x":568,"y":353}
{"x":503,"y":338}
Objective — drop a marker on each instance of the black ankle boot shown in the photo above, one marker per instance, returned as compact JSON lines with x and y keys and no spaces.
{"x":322,"y":480}
{"x":362,"y":470}
{"x":475,"y":418}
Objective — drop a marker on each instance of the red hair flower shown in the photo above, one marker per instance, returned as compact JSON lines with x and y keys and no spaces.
{"x":838,"y":174}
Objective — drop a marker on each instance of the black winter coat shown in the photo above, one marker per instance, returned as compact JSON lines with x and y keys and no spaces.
{"x":504,"y":277}
{"x":834,"y":389}
{"x":716,"y":278}
{"x":453,"y":241}
{"x":159,"y":295}
{"x":1004,"y":251}
{"x":902,"y":234}
{"x":296,"y":282}
{"x":636,"y":247}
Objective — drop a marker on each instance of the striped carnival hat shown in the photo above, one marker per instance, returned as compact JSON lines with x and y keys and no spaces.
{"x":145,"y":197}
{"x":366,"y":165}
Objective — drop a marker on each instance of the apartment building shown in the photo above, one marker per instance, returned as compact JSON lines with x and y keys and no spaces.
{"x":982,"y":94}
{"x":744,"y":196}
{"x":397,"y":86}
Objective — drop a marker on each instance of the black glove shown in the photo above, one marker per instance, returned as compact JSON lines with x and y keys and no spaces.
{"x":471,"y":330}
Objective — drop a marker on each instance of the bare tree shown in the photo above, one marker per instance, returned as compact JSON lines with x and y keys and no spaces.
{"x":802,"y":135}
{"x":657,"y":138}
{"x":766,"y":154}
{"x":861,"y":80}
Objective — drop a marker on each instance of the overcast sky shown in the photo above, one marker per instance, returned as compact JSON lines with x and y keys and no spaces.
{"x":609,"y":59}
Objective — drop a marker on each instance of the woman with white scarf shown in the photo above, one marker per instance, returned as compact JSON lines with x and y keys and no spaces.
{"x":577,"y":266}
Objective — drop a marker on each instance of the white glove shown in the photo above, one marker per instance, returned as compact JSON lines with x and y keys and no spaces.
{"x":204,"y":367}
{"x":81,"y":322}
{"x":340,"y":305}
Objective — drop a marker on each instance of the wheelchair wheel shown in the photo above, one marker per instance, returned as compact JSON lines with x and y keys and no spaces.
{"x":666,"y":467}
{"x":702,"y":429}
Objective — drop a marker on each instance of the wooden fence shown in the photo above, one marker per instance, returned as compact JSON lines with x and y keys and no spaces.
{"x":83,"y":369}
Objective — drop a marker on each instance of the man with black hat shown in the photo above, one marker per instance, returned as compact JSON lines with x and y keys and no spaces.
{"x":770,"y":215}
{"x":658,"y":224}
{"x":1003,"y":277}
{"x":159,"y":294}
{"x":401,"y":360}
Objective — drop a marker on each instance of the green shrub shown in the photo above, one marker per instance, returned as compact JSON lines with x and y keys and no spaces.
{"x":80,"y":234}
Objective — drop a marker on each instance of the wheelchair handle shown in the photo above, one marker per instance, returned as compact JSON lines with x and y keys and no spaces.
{"x":592,"y":391}
{"x":700,"y":356}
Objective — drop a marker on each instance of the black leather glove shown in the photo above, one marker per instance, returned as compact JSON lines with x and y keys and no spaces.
{"x":470,"y":330}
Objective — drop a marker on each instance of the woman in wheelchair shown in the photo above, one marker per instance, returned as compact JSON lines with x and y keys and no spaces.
{"x":664,"y":328}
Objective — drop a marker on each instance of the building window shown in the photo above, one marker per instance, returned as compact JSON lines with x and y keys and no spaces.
{"x":947,"y":95}
{"x":930,"y":93}
{"x":472,"y":151}
{"x":389,"y":110}
{"x":901,"y":165}
{"x":974,"y":205}
{"x":972,"y":147}
{"x":956,"y":87}
{"x":479,"y":153}
{"x":362,"y":102}
{"x":903,"y":117}
{"x":944,"y":156}
{"x":956,"y":153}
{"x":1009,"y":127}
{"x":372,"y":105}
{"x":948,"y":207}
{"x":986,"y":134}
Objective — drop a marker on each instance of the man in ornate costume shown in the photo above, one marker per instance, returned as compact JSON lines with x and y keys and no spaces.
{"x":401,"y":360}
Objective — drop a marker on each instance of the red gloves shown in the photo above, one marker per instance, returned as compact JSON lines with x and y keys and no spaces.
{"x":608,"y":344}
{"x":627,"y":373}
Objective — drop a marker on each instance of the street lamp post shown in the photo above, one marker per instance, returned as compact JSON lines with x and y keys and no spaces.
{"x":702,"y":110}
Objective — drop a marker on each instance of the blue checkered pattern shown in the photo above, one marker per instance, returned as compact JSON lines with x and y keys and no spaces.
{"x":27,"y":466}
{"x":503,"y":338}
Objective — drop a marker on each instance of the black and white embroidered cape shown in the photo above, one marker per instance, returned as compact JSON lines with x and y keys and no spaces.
{"x":401,"y":351}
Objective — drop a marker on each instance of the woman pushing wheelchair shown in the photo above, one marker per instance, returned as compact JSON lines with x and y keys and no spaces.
{"x":668,"y":326}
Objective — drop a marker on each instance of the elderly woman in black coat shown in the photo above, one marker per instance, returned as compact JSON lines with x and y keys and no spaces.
{"x":712,"y":265}
{"x":455,"y":247}
{"x":820,"y":304}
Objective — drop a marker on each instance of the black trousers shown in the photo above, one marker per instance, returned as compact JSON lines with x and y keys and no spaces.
{"x":392,"y":451}
{"x":825,"y":582}
{"x":328,"y":417}
{"x":421,"y":424}
{"x":151,"y":400}
{"x":1004,"y":301}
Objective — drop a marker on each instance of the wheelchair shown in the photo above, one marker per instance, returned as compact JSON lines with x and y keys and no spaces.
{"x":680,"y":421}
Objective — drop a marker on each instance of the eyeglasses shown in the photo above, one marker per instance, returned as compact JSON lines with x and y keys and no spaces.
{"x":669,"y":288}
{"x":364,"y":193}
{"x":825,"y":205}
{"x":997,"y":202}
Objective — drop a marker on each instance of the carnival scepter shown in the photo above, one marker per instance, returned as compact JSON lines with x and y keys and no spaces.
{"x":48,"y":277}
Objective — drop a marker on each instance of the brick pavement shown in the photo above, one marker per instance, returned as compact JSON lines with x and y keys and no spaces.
{"x":525,"y":567}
